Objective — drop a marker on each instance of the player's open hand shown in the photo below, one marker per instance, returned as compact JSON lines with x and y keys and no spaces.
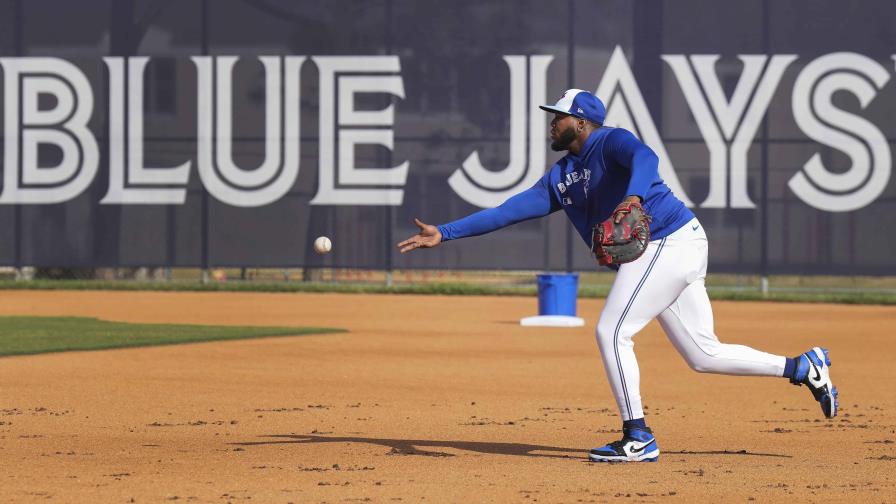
{"x":428,"y":237}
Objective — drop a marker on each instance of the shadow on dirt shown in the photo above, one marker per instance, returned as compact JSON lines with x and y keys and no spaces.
{"x":727,"y":452}
{"x":415,"y":446}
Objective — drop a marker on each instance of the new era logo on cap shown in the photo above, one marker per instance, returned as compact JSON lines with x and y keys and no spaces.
{"x":579,"y":103}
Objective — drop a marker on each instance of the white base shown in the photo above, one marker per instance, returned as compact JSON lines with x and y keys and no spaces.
{"x":552,"y":321}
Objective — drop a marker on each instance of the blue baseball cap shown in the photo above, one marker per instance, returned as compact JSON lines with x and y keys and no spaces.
{"x":579,"y":103}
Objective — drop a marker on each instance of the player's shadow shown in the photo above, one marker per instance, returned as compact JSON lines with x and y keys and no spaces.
{"x":416,"y":446}
{"x":740,"y":453}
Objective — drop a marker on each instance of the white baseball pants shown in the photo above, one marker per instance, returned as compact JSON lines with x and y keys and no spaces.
{"x":667,"y":283}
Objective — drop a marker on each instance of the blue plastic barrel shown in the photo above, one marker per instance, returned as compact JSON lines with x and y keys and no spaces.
{"x":557,"y":294}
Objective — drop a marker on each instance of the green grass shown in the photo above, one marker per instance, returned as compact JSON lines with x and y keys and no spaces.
{"x":586,"y":290}
{"x":34,"y":335}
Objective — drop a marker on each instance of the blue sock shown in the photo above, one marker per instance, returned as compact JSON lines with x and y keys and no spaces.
{"x":800,"y":369}
{"x":789,"y":367}
{"x":637,"y":423}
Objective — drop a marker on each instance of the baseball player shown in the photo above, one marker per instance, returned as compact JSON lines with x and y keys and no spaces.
{"x":605,"y":171}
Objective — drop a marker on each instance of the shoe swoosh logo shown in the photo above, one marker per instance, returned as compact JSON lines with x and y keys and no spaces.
{"x":817,"y":376}
{"x":639,"y":449}
{"x":695,"y":227}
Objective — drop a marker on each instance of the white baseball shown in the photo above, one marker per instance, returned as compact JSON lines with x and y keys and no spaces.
{"x":322,"y":245}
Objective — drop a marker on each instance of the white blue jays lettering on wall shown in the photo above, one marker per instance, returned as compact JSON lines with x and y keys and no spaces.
{"x":489,"y":188}
{"x":728,"y":126}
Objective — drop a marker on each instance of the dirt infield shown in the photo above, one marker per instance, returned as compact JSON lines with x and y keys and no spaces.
{"x":432,"y":399}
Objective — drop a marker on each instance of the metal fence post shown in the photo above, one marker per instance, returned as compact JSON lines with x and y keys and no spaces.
{"x":570,"y":83}
{"x":763,"y":237}
{"x":390,"y":211}
{"x":204,"y":206}
{"x":17,"y":210}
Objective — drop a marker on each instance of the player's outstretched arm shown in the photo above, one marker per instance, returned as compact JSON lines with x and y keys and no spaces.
{"x":428,"y":237}
{"x":529,"y":204}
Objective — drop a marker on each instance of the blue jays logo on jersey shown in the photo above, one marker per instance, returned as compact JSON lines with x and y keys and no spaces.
{"x":569,"y":182}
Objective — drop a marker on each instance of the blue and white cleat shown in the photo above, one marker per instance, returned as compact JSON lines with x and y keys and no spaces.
{"x":636,"y":445}
{"x":813,"y":371}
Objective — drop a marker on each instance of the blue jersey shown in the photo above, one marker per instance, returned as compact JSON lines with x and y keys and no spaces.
{"x":612,"y":164}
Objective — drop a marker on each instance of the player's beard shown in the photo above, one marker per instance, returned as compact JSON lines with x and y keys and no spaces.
{"x":564,"y":139}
